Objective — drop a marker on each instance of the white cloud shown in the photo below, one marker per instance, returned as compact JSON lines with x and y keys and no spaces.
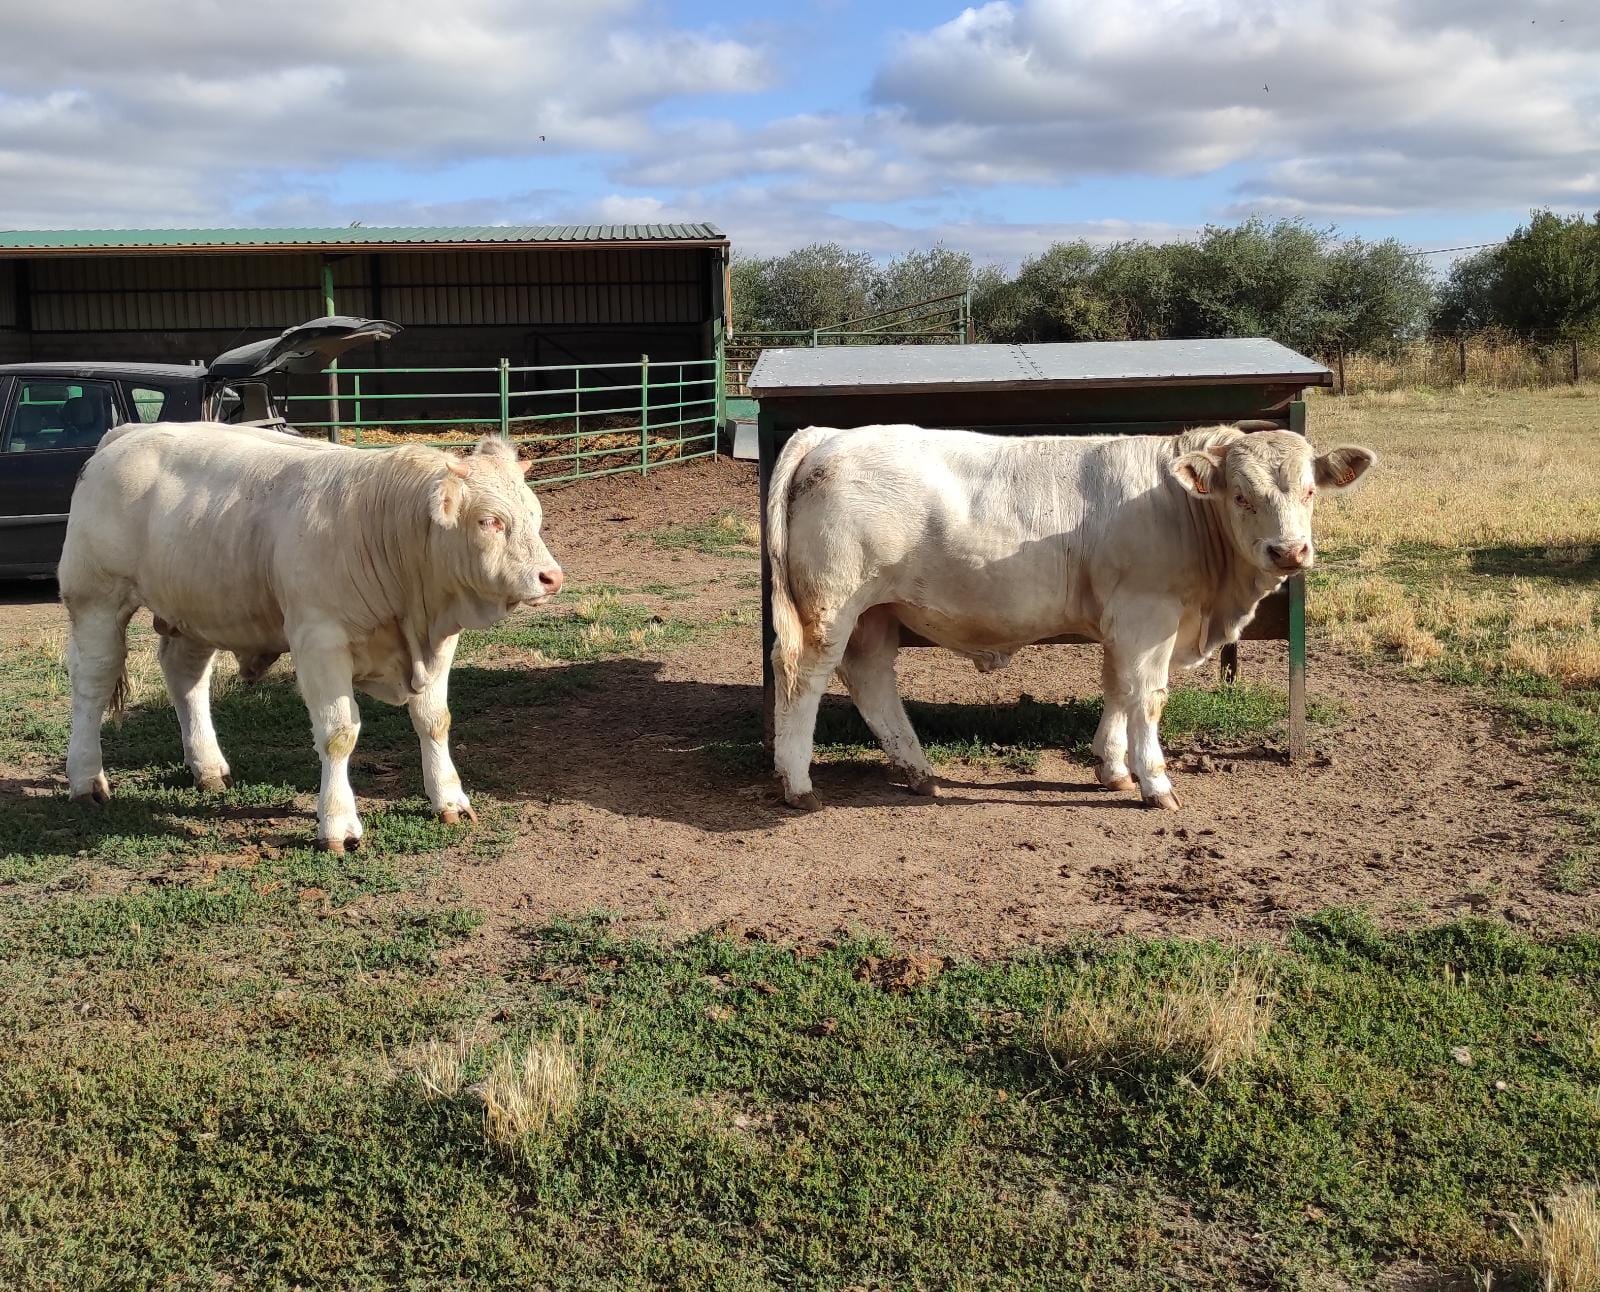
{"x":218,"y":97}
{"x":192,"y":111}
{"x":1312,"y":95}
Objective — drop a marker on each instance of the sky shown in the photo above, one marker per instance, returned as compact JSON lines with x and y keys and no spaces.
{"x":886,"y":125}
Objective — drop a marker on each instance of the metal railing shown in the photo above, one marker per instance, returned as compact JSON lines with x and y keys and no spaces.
{"x":572,"y":421}
{"x":945,"y":319}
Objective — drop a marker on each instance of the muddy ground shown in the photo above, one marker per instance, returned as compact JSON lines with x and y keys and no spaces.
{"x":1418,"y":804}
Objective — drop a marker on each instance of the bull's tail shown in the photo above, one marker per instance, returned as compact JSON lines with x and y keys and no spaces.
{"x":786,"y":625}
{"x":119,"y":698}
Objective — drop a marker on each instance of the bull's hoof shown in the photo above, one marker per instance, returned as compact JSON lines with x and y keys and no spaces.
{"x":1167,"y":802}
{"x":927,"y":785}
{"x":1114,"y":780}
{"x":97,"y":795}
{"x":807,"y":802}
{"x":453,"y":815}
{"x":213,"y":784}
{"x":350,"y":843}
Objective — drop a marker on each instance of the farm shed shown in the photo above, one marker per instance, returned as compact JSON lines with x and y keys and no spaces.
{"x":466,"y":296}
{"x":1085,"y":388}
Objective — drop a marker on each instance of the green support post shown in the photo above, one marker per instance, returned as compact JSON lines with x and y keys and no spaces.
{"x":577,"y":421}
{"x":720,"y":341}
{"x":329,"y":308}
{"x":355,"y":399}
{"x":644,"y":413}
{"x":505,"y":399}
{"x":1297,"y":630}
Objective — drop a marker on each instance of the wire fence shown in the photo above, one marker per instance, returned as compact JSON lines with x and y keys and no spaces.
{"x":570,"y":421}
{"x":1490,"y":360}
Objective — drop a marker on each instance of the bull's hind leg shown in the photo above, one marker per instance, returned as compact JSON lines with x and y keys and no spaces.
{"x":324,"y":668}
{"x":430,"y":718}
{"x":187,"y":667}
{"x":868,"y":671}
{"x":96,"y":654}
{"x":1111,"y":736}
{"x":795,"y":715}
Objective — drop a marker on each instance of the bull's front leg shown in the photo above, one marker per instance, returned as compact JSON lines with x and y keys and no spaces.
{"x":323,"y":665}
{"x":1139,"y":651}
{"x":430,"y":719}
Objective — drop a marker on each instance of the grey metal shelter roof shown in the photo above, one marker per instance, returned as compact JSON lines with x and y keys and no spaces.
{"x":870,"y":369}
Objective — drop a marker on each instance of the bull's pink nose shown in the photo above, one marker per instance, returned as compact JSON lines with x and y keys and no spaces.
{"x":1289,"y":555}
{"x":552,"y":579}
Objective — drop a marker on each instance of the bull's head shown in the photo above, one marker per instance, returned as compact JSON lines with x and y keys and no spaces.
{"x":1266,"y":485}
{"x":484,"y":500}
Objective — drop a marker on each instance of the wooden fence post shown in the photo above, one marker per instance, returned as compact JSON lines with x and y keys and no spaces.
{"x":1461,"y":355}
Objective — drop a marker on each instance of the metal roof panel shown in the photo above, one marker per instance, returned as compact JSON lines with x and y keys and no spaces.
{"x":886,"y":368}
{"x":402,"y":236}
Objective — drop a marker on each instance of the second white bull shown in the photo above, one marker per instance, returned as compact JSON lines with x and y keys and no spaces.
{"x":1159,"y":547}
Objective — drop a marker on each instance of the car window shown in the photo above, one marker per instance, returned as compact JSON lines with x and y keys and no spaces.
{"x":52,"y":414}
{"x":229,"y":407}
{"x":147,"y":402}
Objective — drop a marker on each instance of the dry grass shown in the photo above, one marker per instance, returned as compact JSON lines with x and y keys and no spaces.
{"x":1492,"y":361}
{"x":439,"y":1067}
{"x":1472,"y":536}
{"x":739,"y":528}
{"x":1203,"y":1026}
{"x":537,"y":1089}
{"x":1562,"y":1241}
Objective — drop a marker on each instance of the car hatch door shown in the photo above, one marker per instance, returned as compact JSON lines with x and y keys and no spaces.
{"x":308,"y":347}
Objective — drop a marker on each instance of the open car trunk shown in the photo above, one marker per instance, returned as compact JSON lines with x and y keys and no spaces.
{"x":236,"y":386}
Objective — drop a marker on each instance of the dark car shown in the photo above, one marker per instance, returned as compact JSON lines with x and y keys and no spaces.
{"x":52,"y":415}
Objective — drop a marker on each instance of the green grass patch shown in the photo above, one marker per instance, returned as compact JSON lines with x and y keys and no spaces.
{"x":729,"y":533}
{"x":241,"y":1108}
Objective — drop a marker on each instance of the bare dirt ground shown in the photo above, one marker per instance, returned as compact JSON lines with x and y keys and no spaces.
{"x":1419,"y":804}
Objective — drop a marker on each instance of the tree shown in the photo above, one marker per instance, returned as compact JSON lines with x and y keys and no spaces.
{"x":922,"y":275}
{"x":1372,"y":293}
{"x":1547,"y":276}
{"x":814,"y":286}
{"x":1466,"y":301}
{"x":752,"y":302}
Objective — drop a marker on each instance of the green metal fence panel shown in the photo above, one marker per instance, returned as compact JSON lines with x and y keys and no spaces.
{"x":571,"y":421}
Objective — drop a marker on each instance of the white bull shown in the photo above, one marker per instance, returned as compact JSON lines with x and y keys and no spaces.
{"x":364,"y":565}
{"x":1159,"y":547}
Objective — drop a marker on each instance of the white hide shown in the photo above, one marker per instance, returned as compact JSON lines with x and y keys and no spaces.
{"x":1159,"y":547}
{"x":365,"y":565}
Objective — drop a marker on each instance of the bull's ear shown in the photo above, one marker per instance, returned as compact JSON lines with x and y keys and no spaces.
{"x":1199,"y":473}
{"x":449,"y":495}
{"x":1341,"y":467}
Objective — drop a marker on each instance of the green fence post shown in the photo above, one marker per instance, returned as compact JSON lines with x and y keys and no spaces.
{"x":355,"y":397}
{"x":577,"y":421}
{"x":644,"y":413}
{"x":721,"y":340}
{"x":1297,"y":630}
{"x":505,"y":399}
{"x":333,"y":366}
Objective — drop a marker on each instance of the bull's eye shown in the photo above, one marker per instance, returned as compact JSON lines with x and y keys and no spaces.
{"x":491,"y":524}
{"x":1240,"y":500}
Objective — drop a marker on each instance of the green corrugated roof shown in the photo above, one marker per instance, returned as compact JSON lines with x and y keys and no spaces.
{"x":178,"y":239}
